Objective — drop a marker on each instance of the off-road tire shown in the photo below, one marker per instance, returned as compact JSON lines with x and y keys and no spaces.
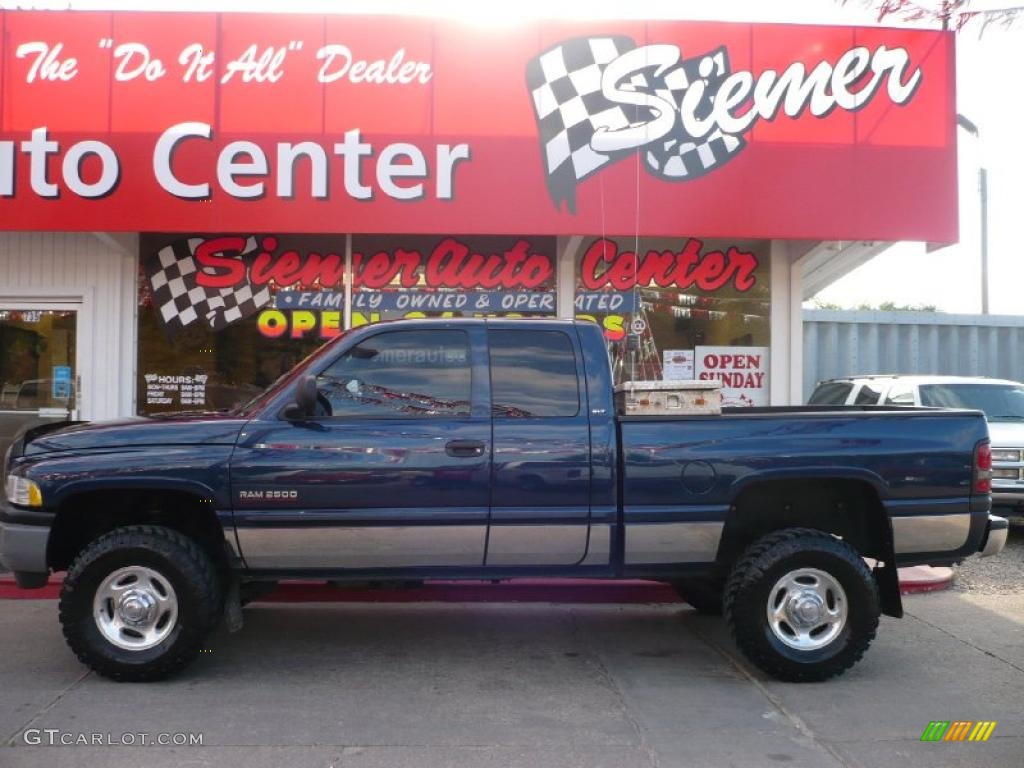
{"x":757,"y":571}
{"x":703,"y":593}
{"x":177,"y":558}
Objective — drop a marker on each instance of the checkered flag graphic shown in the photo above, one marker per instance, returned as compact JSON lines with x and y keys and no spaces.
{"x":181,"y":301}
{"x":565,"y":86}
{"x":679,"y":157}
{"x":565,"y":83}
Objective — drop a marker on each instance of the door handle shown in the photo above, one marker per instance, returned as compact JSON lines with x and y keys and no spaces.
{"x":463,"y":449}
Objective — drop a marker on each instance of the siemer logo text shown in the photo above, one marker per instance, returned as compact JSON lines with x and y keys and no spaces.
{"x":598,"y":99}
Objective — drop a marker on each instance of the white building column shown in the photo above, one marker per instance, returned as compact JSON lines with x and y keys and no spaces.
{"x":565,"y":276}
{"x":786,"y":324}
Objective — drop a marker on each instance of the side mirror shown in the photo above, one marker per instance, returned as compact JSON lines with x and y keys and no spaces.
{"x":304,"y":406}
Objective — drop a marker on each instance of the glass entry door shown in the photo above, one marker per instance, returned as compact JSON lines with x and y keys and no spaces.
{"x":38,"y":366}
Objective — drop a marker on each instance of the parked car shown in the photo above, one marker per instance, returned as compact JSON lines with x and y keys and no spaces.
{"x":32,"y":394}
{"x":1001,"y":400}
{"x":490,"y":449}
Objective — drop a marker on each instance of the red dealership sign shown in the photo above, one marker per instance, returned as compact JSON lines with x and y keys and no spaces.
{"x":302,"y":123}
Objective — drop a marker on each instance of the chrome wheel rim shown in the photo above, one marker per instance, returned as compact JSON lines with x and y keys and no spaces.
{"x":135,"y":608}
{"x":807,"y":609}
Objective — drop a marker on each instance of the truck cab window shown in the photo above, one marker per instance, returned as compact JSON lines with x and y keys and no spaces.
{"x":400,"y":374}
{"x":533,"y":373}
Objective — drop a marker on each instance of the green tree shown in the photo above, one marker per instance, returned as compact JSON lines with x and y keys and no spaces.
{"x":885,"y":306}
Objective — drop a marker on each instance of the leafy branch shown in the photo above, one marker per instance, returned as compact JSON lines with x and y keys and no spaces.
{"x":949,"y":14}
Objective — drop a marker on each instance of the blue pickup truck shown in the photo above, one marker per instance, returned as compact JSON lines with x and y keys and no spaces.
{"x":490,"y":449}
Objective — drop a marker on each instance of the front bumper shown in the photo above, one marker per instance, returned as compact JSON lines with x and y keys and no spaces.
{"x":1008,"y":500}
{"x":23,"y":544}
{"x":996,"y":531}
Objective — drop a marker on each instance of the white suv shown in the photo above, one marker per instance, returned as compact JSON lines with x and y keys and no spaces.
{"x":1000,"y":399}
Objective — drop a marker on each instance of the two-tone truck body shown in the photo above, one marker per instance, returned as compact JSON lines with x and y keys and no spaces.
{"x":468,"y":449}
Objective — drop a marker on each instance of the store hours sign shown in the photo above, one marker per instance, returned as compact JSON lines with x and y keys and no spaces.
{"x":201,"y":122}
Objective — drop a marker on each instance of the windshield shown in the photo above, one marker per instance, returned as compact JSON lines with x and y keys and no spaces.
{"x":1000,"y":402}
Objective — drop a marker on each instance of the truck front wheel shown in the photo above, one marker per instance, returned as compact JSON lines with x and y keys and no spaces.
{"x":802,"y":605}
{"x":138,"y":602}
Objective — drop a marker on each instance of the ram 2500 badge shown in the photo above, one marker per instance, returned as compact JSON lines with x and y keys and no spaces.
{"x":469,"y":449}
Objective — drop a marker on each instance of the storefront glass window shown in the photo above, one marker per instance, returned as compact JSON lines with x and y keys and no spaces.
{"x":454,"y":276}
{"x":222,"y":316}
{"x":696,"y":309}
{"x":37,"y":368}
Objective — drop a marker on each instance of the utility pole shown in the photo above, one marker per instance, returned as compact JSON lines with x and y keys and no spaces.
{"x":983,"y":194}
{"x":973,"y":129}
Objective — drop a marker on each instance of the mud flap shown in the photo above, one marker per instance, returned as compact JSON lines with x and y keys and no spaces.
{"x":887,"y":578}
{"x":233,"y":607}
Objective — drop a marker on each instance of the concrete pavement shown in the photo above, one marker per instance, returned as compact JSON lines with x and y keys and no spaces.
{"x":538,"y":685}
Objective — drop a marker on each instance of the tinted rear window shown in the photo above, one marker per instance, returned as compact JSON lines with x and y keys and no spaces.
{"x":533,"y":373}
{"x":832,"y":393}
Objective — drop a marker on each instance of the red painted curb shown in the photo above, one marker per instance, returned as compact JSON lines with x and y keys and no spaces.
{"x":910,"y":587}
{"x":11,"y":591}
{"x":924,"y":578}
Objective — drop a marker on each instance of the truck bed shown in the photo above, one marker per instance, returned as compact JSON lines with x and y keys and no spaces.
{"x":682,"y":475}
{"x":799,"y":410}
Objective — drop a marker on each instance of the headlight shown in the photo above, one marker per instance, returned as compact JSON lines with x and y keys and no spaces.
{"x":1004,"y":454}
{"x":24,"y":492}
{"x":1005,"y":474}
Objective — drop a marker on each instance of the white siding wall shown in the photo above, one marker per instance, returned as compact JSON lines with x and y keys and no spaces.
{"x":786,"y":322}
{"x":99,"y":270}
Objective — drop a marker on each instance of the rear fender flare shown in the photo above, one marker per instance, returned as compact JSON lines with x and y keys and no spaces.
{"x":887,"y":576}
{"x":814,"y":473}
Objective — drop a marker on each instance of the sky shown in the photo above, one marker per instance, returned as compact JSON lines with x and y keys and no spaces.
{"x":989,"y":88}
{"x":950,"y":279}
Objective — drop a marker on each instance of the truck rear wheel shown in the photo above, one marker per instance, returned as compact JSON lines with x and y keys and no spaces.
{"x":802,"y":605}
{"x":138,"y":602}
